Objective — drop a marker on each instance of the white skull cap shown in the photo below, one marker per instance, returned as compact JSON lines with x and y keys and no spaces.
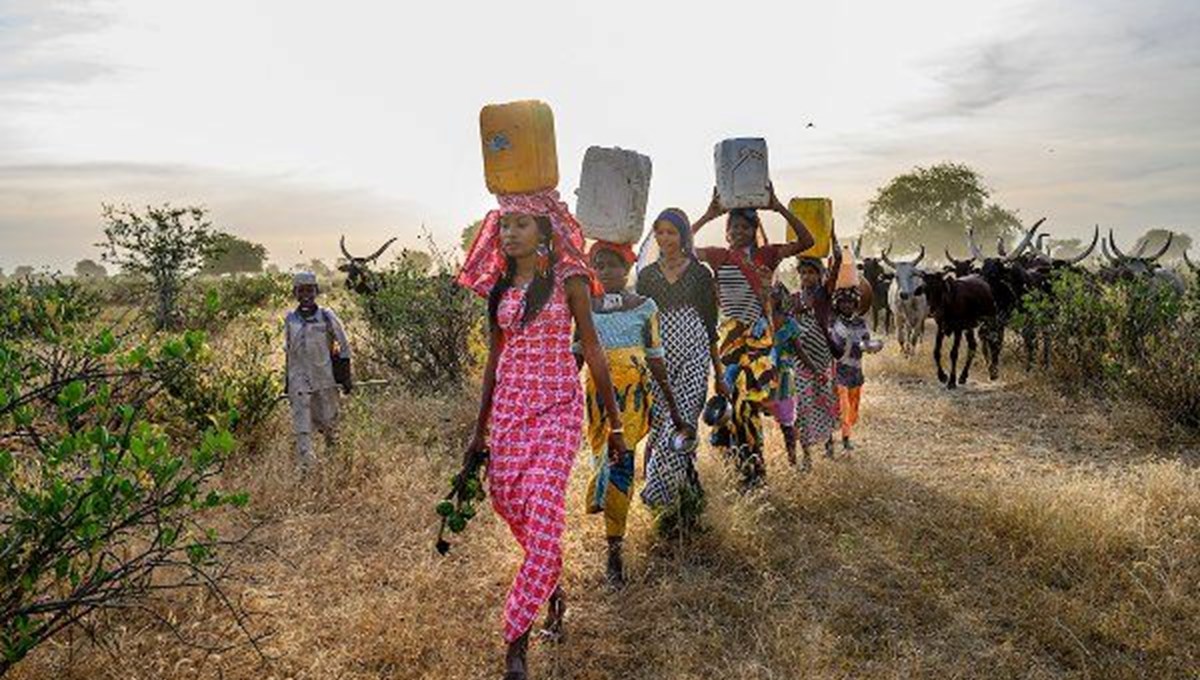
{"x":304,"y":279}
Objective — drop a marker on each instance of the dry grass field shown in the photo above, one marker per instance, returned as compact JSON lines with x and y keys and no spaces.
{"x":1003,"y":531}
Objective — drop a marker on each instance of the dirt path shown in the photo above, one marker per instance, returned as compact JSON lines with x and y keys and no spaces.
{"x":1001,"y":530}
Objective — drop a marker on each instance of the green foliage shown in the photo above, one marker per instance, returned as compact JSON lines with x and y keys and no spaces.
{"x":1133,"y":337}
{"x":211,"y":304}
{"x":934,"y":206}
{"x":233,"y":255}
{"x":99,"y":505}
{"x":420,"y":324}
{"x":236,"y":387}
{"x":468,"y":234}
{"x":164,"y":245}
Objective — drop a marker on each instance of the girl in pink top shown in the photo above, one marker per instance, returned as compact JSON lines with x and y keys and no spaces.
{"x":527,"y":259}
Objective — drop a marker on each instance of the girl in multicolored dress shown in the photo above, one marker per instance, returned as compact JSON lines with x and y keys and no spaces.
{"x":816,"y":402}
{"x":628,"y":327}
{"x":850,"y":338}
{"x":686,"y":295}
{"x":744,"y":271}
{"x":528,"y":260}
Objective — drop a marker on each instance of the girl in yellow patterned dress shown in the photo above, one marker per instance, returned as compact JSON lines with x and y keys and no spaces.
{"x":628,"y":327}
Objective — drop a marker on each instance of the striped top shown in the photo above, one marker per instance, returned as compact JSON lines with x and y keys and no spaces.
{"x":738,"y":299}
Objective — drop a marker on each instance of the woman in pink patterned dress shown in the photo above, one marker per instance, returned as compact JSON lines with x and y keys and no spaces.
{"x":527,"y":259}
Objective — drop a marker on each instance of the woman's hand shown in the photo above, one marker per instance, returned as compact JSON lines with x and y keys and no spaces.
{"x":720,"y":387}
{"x":714,"y":206}
{"x":477,"y":444}
{"x":775,"y":204}
{"x":616,"y":448}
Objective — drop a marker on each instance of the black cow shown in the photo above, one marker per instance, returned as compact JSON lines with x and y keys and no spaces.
{"x":958,"y":306}
{"x":359,"y":277}
{"x":880,"y":280}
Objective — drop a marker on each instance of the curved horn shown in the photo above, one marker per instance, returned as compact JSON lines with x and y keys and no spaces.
{"x":975,"y":251}
{"x":1087,"y":251}
{"x":920,"y":257}
{"x":1113,"y":243}
{"x":1142,"y":248}
{"x":377,"y":253}
{"x":958,"y":263}
{"x":342,"y":243}
{"x":884,"y":256}
{"x":1191,"y":265}
{"x":1040,"y":245}
{"x":1025,"y":241}
{"x":1163,"y":251}
{"x":1107,"y":254}
{"x":858,"y":249}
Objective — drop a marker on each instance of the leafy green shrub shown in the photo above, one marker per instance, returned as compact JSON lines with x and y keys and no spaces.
{"x":211,"y":303}
{"x":99,"y":506}
{"x":420,"y":325}
{"x":1131,"y":336}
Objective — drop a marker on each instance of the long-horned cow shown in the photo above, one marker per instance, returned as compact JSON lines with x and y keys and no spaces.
{"x":1139,"y":266}
{"x":359,"y":277}
{"x":906,"y":298}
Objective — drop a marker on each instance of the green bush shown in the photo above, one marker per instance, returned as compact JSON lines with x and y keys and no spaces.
{"x":99,"y":506}
{"x":420,"y":326}
{"x":1132,"y":337}
{"x":211,"y":303}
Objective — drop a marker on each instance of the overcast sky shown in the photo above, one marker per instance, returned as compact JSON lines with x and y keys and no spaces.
{"x":296,"y":121}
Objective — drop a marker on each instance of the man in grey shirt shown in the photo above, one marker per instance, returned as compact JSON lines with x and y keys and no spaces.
{"x":313,"y":336}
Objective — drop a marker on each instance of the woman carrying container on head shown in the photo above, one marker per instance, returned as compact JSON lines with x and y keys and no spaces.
{"x":684,"y":290}
{"x":744,"y":271}
{"x":628,"y":327}
{"x":528,"y":260}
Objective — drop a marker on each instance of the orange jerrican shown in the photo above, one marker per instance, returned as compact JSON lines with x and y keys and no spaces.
{"x":848,"y":273}
{"x":519,"y":155}
{"x":817,"y":215}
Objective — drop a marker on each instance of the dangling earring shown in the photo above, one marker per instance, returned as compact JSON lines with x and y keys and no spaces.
{"x":543,"y":260}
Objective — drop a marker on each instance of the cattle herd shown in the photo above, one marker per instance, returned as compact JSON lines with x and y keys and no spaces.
{"x":983,"y":293}
{"x":980,"y":293}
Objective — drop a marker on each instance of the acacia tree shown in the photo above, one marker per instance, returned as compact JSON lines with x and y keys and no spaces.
{"x":933,"y":207}
{"x":165,"y":245}
{"x":233,"y":255}
{"x":90,"y":269}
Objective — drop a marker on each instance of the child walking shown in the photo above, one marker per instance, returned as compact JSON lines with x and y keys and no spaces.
{"x":850,"y":339}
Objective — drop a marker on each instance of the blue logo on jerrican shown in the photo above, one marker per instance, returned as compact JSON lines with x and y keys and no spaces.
{"x":498,"y":143}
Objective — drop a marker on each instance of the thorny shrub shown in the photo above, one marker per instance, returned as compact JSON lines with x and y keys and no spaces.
{"x":100,"y":508}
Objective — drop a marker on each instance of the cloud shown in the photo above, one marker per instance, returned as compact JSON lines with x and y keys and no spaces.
{"x":50,"y":213}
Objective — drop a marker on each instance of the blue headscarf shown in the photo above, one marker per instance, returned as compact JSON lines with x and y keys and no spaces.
{"x":648,"y":253}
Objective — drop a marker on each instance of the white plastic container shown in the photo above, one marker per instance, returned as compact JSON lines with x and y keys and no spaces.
{"x":742,"y":177}
{"x":614,"y":189}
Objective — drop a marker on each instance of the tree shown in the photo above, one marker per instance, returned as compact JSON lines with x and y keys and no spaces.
{"x":933,"y":207}
{"x":1155,"y":239}
{"x":90,"y":269}
{"x":468,"y":234}
{"x":23,"y":271}
{"x":165,"y":245}
{"x":322,"y":270}
{"x":233,"y":255}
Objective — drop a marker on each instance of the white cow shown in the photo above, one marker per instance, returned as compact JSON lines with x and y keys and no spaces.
{"x":906,"y":298}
